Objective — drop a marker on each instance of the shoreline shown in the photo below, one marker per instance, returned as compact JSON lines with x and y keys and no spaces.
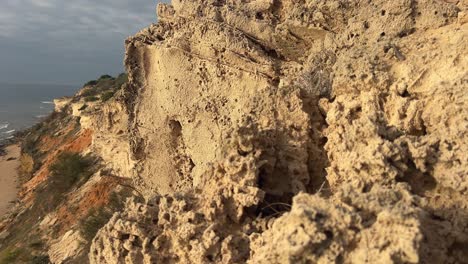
{"x":9,"y":163}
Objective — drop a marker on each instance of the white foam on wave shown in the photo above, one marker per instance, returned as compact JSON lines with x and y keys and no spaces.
{"x":4,"y":126}
{"x":9,"y":131}
{"x":40,"y":116}
{"x":47,"y":102}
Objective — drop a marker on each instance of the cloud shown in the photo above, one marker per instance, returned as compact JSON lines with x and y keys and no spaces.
{"x":43,"y":3}
{"x":43,"y":39}
{"x":69,"y":21}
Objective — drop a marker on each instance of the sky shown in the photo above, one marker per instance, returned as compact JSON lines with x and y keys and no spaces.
{"x":67,"y":41}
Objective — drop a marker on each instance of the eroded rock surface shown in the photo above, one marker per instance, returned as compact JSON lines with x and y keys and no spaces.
{"x":293,"y":131}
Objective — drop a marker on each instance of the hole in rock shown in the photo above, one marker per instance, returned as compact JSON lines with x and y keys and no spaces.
{"x":419,"y":132}
{"x":420,"y":182}
{"x":219,"y":3}
{"x":175,"y":127}
{"x":366,"y":25}
{"x":274,"y":206}
{"x":259,"y":16}
{"x":355,"y":113}
{"x":167,"y":217}
{"x":139,"y":149}
{"x":405,"y":94}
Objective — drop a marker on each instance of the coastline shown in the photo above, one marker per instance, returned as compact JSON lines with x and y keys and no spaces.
{"x":9,"y":177}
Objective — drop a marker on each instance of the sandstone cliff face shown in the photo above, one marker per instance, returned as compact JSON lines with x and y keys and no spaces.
{"x":292,"y":132}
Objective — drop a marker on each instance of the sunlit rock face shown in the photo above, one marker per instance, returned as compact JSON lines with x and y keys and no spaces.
{"x":292,"y":131}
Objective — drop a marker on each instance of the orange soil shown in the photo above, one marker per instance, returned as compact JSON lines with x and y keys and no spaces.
{"x":78,"y":144}
{"x":96,"y":197}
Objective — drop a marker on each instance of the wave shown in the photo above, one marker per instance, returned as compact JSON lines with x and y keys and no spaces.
{"x":40,"y":116}
{"x":9,"y":131}
{"x":47,"y":102}
{"x":4,"y":126}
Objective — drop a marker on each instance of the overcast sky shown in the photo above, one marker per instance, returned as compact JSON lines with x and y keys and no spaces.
{"x":67,"y":41}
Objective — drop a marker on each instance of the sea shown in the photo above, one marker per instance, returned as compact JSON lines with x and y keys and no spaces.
{"x":23,"y":105}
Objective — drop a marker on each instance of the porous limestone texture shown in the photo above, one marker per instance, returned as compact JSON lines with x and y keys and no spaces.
{"x":111,"y":141}
{"x":289,"y":131}
{"x":376,"y":227}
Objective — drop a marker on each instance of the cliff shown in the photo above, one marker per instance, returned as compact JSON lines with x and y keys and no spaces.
{"x":291,"y":131}
{"x":278,"y":131}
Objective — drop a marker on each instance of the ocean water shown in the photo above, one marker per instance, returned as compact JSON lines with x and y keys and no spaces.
{"x":23,"y":105}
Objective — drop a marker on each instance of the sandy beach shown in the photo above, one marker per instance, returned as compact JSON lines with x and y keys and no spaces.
{"x":8,"y":177}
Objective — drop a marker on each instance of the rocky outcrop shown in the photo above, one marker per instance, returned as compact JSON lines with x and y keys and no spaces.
{"x":111,"y":141}
{"x":380,"y":226}
{"x":61,"y":103}
{"x":209,"y":90}
{"x":292,"y":131}
{"x":69,"y":246}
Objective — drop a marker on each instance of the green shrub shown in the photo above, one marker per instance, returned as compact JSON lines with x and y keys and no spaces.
{"x":105,"y":84}
{"x":29,"y":145}
{"x":103,"y":88}
{"x":121,"y":80}
{"x":105,"y":76}
{"x":91,"y":83}
{"x":21,"y":255}
{"x":10,"y":255}
{"x":96,"y":219}
{"x":107,"y":95}
{"x":32,"y":137}
{"x":44,"y":259}
{"x":69,"y":170}
{"x":90,"y":92}
{"x":91,"y":99}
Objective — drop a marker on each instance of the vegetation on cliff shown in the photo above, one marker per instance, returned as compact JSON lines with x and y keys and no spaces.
{"x":103,"y":88}
{"x":61,"y":189}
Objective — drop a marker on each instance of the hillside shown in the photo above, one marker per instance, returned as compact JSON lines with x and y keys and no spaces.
{"x":66,"y":196}
{"x":260,"y":131}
